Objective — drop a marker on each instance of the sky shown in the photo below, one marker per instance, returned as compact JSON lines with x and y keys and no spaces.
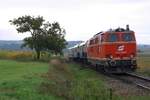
{"x":80,"y":18}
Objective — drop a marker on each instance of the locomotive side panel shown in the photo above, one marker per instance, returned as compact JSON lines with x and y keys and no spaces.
{"x":95,"y":50}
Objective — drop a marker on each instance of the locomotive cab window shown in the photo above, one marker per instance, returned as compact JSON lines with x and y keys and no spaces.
{"x":112,"y":37}
{"x":96,"y":40}
{"x":127,"y":37}
{"x":91,"y":42}
{"x":102,"y":38}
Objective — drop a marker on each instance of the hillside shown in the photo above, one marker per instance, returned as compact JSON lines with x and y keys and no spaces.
{"x":11,"y":45}
{"x":16,"y":45}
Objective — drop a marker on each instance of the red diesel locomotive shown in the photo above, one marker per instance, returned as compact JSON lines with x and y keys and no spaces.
{"x":113,"y":50}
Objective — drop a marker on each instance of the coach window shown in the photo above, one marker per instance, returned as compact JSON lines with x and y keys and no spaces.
{"x":112,"y":37}
{"x":127,"y":37}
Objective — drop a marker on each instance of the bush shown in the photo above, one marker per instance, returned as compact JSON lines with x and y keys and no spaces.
{"x":24,"y":55}
{"x":16,"y":55}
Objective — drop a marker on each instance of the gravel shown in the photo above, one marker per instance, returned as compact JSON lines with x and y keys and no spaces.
{"x":125,"y":89}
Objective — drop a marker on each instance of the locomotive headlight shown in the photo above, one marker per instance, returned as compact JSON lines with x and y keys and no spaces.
{"x":132,"y":56}
{"x":111,"y":57}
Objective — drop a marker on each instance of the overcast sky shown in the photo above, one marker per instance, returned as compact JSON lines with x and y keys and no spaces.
{"x":81,"y":18}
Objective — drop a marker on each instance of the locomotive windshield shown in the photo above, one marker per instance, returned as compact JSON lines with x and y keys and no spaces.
{"x":127,"y":37}
{"x":112,"y":37}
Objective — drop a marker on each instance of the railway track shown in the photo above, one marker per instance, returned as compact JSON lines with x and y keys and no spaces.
{"x":135,"y":79}
{"x":130,"y":78}
{"x":140,"y":81}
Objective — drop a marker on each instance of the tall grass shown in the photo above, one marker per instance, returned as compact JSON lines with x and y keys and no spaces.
{"x":143,"y":60}
{"x":58,"y":81}
{"x":24,"y":55}
{"x":72,"y":83}
{"x":144,"y":63}
{"x":16,"y":55}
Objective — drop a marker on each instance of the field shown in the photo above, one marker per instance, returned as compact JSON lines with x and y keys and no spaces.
{"x":36,"y":81}
{"x":19,"y":80}
{"x":144,"y":63}
{"x":23,"y":55}
{"x":55,"y":80}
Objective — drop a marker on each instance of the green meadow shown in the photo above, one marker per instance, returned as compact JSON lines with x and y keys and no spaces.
{"x":38,"y":81}
{"x":52,"y":80}
{"x":20,"y":80}
{"x":144,"y":64}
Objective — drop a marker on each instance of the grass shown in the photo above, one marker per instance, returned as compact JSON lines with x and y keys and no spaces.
{"x":15,"y":69}
{"x":42,"y":81}
{"x":72,"y":83}
{"x":16,"y":55}
{"x":30,"y":80}
{"x":144,"y":64}
{"x":20,"y":80}
{"x":143,"y":60}
{"x":24,"y":55}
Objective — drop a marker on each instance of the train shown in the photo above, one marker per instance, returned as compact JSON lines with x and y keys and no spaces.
{"x":113,"y":51}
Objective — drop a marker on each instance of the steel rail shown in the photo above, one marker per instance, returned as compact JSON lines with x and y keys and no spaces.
{"x":143,"y":86}
{"x":142,"y":78}
{"x":138,"y":76}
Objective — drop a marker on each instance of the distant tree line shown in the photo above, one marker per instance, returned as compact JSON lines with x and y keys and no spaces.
{"x":45,"y":36}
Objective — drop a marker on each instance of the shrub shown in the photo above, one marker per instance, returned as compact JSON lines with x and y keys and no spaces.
{"x":16,"y":55}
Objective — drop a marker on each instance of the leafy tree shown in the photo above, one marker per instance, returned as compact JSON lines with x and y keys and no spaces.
{"x":44,"y":36}
{"x":55,"y":37}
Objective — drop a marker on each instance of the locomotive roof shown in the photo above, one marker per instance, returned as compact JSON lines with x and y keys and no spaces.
{"x":118,"y":30}
{"x":113,"y":31}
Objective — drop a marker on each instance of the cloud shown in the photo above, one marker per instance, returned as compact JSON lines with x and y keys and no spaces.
{"x":39,"y":4}
{"x":81,"y":18}
{"x":11,"y":34}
